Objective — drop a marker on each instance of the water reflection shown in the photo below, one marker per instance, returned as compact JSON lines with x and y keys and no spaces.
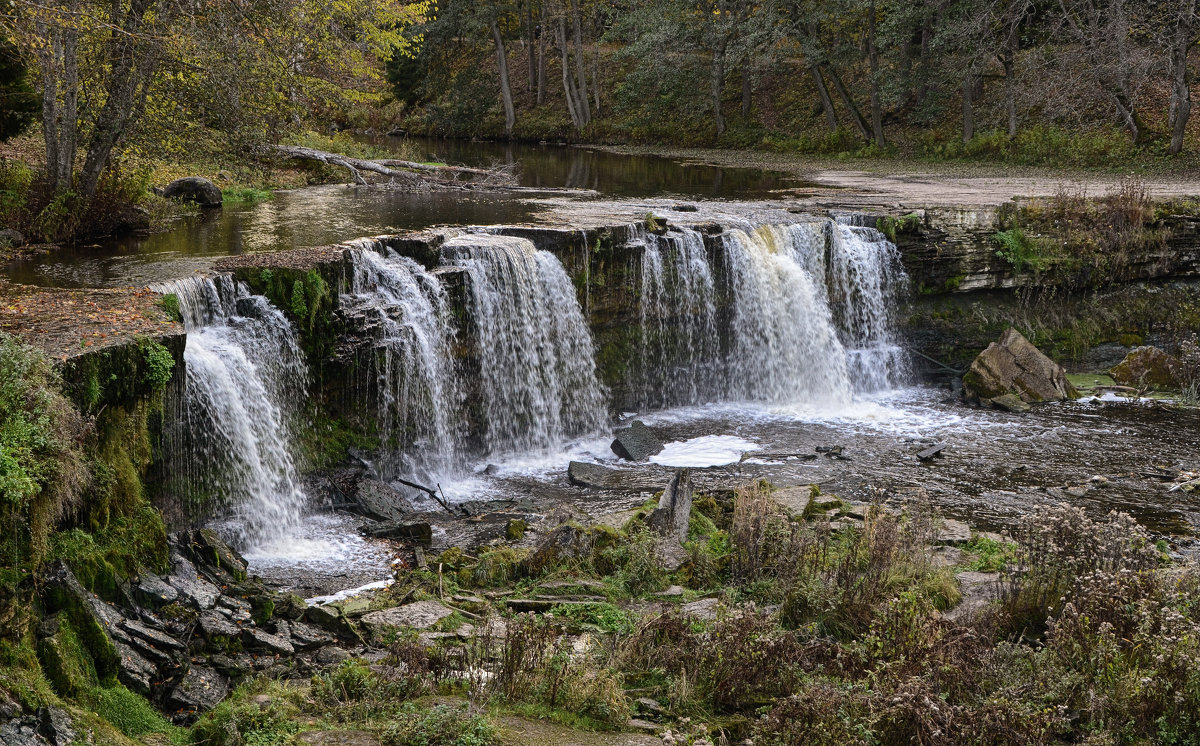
{"x":328,"y":214}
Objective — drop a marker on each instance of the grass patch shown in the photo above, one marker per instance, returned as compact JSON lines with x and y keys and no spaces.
{"x":246,"y":195}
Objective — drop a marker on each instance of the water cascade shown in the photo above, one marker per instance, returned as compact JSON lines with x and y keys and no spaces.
{"x":537,"y":369}
{"x":798,"y":313}
{"x":403,"y":310}
{"x":229,"y":443}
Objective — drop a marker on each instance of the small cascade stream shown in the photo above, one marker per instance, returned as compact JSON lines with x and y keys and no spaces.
{"x":231,"y":445}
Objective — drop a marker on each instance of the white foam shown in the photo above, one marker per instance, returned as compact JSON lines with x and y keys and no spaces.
{"x":321,"y":542}
{"x":349,"y":593}
{"x":708,"y":450}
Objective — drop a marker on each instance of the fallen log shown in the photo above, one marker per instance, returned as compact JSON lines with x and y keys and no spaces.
{"x":409,"y":173}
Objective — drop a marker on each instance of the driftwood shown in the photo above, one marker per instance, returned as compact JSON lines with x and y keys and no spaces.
{"x":405,"y":174}
{"x":427,"y":490}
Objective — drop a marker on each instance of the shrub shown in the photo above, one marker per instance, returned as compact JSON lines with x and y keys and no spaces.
{"x":439,"y":726}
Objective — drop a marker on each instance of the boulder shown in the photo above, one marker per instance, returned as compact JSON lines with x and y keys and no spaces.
{"x":1010,"y":403}
{"x":57,"y":727}
{"x":381,"y":501}
{"x":258,"y":639}
{"x":194,"y":189}
{"x":637,"y":442}
{"x":213,"y":557}
{"x":1147,"y":366}
{"x":154,"y":592}
{"x":192,"y":588}
{"x":418,"y":615}
{"x":135,"y":672}
{"x":10,"y":237}
{"x":583,"y":474}
{"x":1012,"y":365}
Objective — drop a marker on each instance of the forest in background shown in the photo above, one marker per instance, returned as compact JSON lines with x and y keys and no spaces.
{"x":1072,"y":82}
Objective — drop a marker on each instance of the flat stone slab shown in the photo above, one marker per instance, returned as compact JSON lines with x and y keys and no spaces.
{"x":418,"y":615}
{"x":583,"y":474}
{"x":953,"y":533}
{"x":978,"y":589}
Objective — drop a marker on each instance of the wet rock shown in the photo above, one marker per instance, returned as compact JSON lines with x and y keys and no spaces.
{"x":1148,"y":366}
{"x":1012,"y":365}
{"x":307,"y":637}
{"x":191,"y":587}
{"x":154,"y":592}
{"x":56,"y":726}
{"x":356,"y":606}
{"x":194,"y":189}
{"x":21,"y":733}
{"x":214,"y":625}
{"x":931,"y":452}
{"x":259,"y":639}
{"x":213,"y":557}
{"x":200,"y":690}
{"x":135,"y":672}
{"x":290,"y":606}
{"x":418,"y":615}
{"x":637,"y":442}
{"x":90,"y":617}
{"x":1010,"y":403}
{"x":416,"y":531}
{"x":602,"y":477}
{"x":382,"y":501}
{"x":9,"y":707}
{"x":153,"y":637}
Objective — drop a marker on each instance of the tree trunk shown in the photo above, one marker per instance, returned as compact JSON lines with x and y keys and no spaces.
{"x":585,"y":111}
{"x":541,"y":63}
{"x":826,"y":102}
{"x":855,"y":115}
{"x":596,"y":79}
{"x":876,"y":103}
{"x":132,"y":63}
{"x":59,"y":62}
{"x":1181,"y":95}
{"x":510,"y":116}
{"x":968,"y":114}
{"x":1008,"y":60}
{"x":568,"y":84}
{"x":717,"y":83}
{"x":530,"y":41}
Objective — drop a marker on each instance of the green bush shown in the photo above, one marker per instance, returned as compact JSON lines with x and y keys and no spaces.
{"x":159,"y":362}
{"x":439,"y":726}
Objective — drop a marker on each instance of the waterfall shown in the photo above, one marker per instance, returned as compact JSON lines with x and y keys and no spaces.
{"x":230,"y":443}
{"x":798,"y":313}
{"x":679,"y":345}
{"x":537,"y":369}
{"x":403,"y":310}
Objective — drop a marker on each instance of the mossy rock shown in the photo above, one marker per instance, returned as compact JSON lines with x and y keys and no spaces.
{"x":1148,"y":366}
{"x":64,"y":660}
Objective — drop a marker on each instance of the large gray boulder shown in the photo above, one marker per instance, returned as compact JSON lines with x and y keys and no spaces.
{"x":382,"y":501}
{"x":636,"y":443}
{"x":1012,"y":365}
{"x":194,"y":189}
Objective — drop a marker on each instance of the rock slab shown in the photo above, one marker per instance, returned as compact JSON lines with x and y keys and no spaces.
{"x":419,"y":615}
{"x":1012,"y":365}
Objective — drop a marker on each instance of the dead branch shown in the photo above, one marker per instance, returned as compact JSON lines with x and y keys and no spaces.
{"x":407,"y":174}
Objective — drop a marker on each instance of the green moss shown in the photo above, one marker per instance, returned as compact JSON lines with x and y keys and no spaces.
{"x":159,"y":365}
{"x":892,"y":226}
{"x":298,"y":305}
{"x":127,"y":712}
{"x":170,"y":305}
{"x":65,"y":662}
{"x":515,"y":530}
